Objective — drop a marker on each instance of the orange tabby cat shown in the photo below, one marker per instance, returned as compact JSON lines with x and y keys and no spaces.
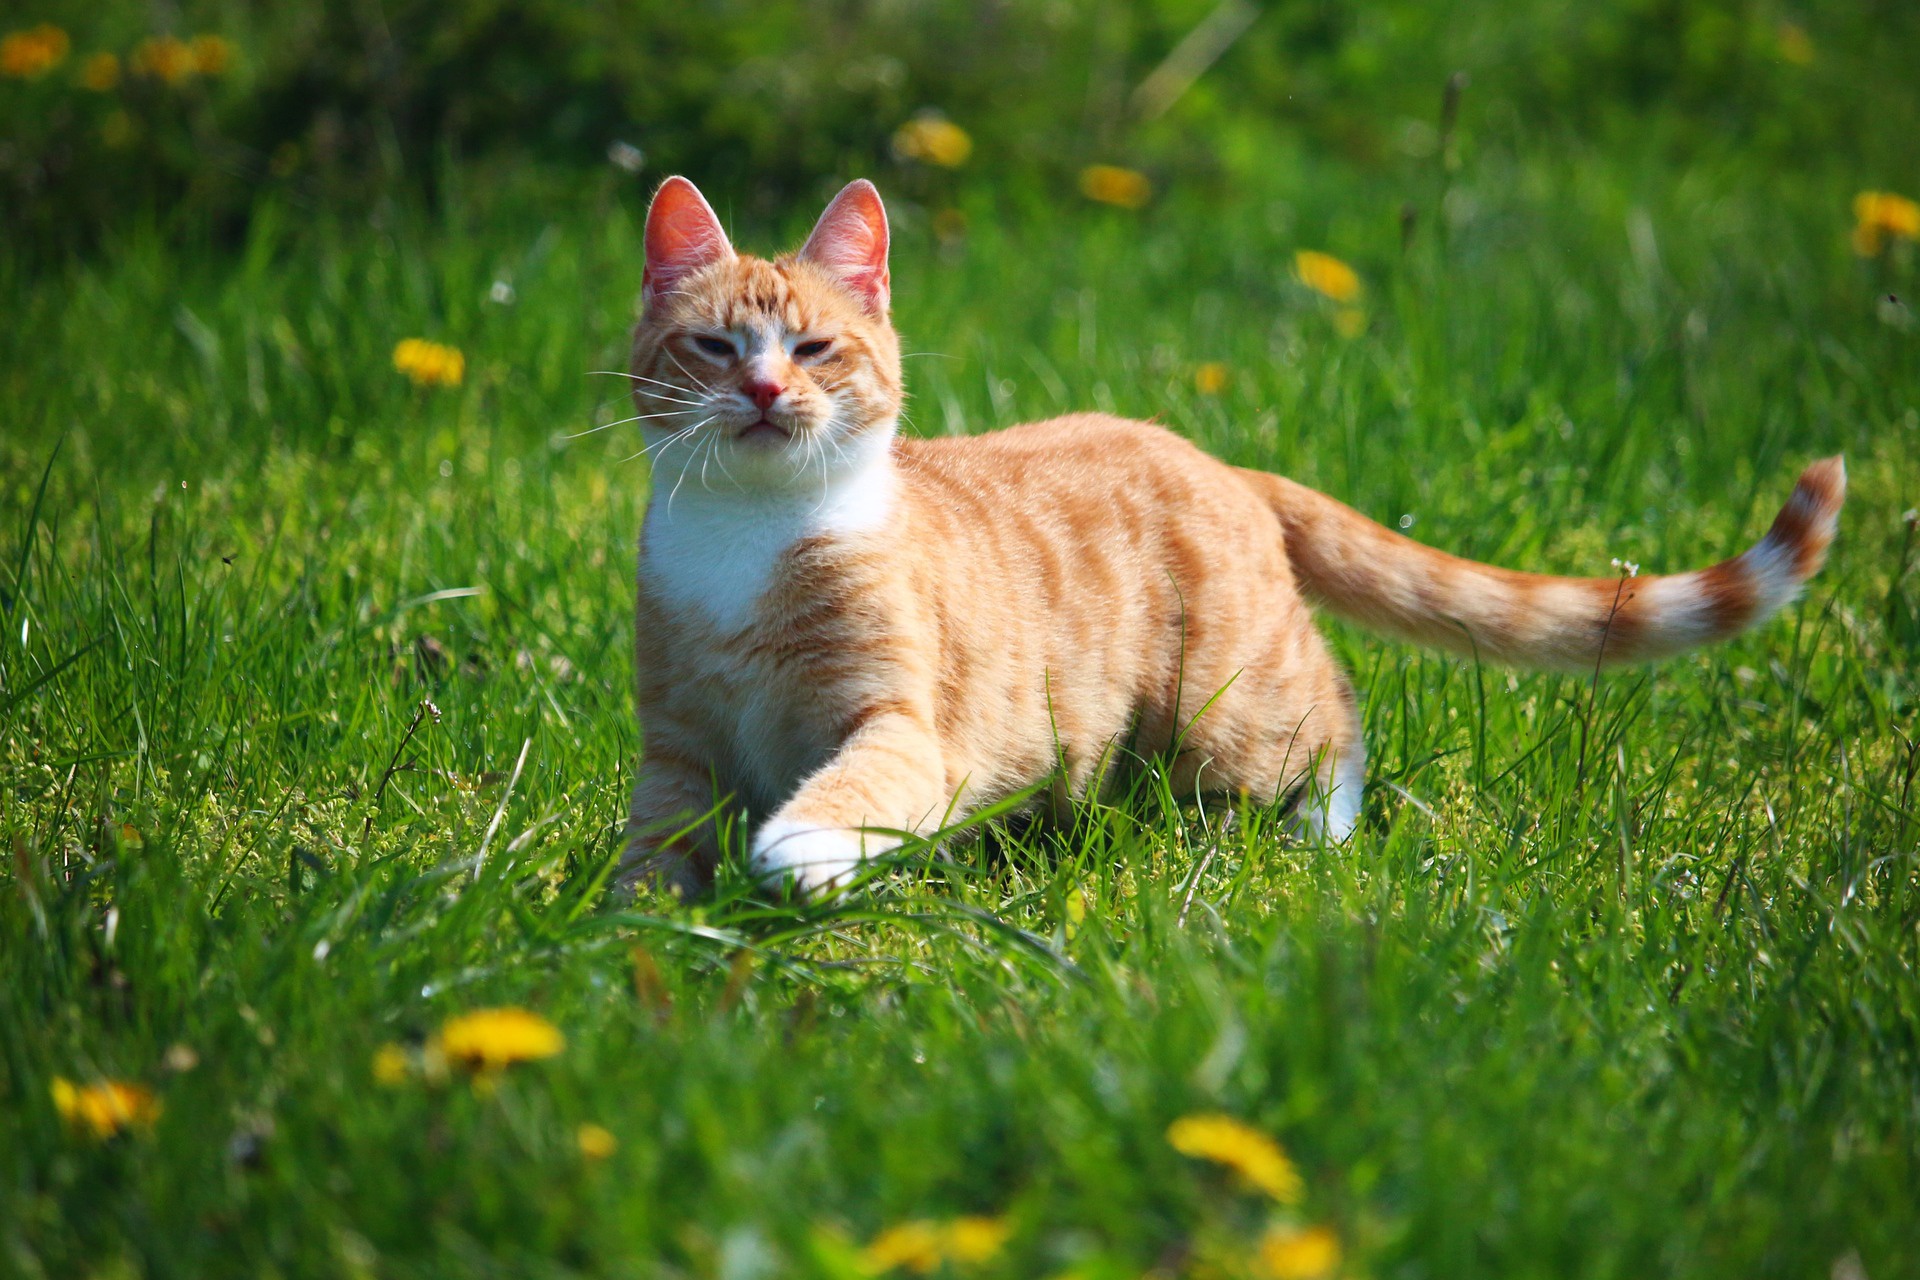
{"x":844,"y":635}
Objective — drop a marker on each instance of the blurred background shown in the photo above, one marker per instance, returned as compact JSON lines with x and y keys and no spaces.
{"x":188,"y":114}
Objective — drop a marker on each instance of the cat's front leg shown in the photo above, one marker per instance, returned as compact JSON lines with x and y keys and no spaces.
{"x":668,"y":844}
{"x":885,"y":779}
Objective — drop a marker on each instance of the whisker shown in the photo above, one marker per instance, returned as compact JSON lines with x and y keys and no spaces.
{"x":671,"y":413}
{"x":824,"y":492}
{"x":675,"y":491}
{"x":681,"y":434}
{"x":612,"y":373}
{"x":722,"y":460}
{"x":690,"y":374}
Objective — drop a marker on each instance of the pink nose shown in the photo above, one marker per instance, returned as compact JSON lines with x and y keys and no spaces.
{"x":762,"y":393}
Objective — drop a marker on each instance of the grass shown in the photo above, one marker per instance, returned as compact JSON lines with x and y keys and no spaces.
{"x":1617,"y":979}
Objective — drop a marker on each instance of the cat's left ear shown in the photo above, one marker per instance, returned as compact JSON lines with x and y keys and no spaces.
{"x":850,"y":240}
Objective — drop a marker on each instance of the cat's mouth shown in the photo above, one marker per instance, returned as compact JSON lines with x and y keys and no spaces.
{"x":765,"y":429}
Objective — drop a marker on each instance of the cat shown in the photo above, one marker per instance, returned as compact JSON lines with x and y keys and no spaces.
{"x":847,"y":636}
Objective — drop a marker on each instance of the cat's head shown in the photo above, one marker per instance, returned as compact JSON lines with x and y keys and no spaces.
{"x":765,"y":373}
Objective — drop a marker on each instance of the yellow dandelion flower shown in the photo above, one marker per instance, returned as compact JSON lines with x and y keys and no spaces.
{"x":1349,"y":322}
{"x":1210,"y":379}
{"x":167,"y":58}
{"x":913,"y":1245}
{"x":922,"y":1245}
{"x":391,"y":1065}
{"x":106,"y":1108}
{"x":1294,"y":1253}
{"x":595,"y":1143}
{"x":1791,"y":40}
{"x":429,"y":364}
{"x":975,"y":1239}
{"x":1256,"y":1158}
{"x":933,"y":139}
{"x":212,"y":55}
{"x":1110,"y":184}
{"x":100,"y":73}
{"x":30,"y":54}
{"x":1327,"y":275}
{"x":1879,"y":215}
{"x":490,"y":1039}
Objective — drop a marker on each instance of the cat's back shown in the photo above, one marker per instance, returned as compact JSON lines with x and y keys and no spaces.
{"x":1085,"y":514}
{"x":1078,"y":446}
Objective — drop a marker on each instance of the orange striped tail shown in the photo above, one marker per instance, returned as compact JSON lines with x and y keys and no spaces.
{"x":1370,"y":575}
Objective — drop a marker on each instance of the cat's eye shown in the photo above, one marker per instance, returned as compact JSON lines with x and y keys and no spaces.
{"x":817,"y":347}
{"x":713,"y":346}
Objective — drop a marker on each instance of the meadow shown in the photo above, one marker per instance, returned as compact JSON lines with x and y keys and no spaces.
{"x":316,"y":728}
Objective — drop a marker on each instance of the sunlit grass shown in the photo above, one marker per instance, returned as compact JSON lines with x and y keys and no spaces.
{"x":316,"y":726}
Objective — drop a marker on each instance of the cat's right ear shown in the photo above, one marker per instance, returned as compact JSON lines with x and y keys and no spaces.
{"x":683,"y":236}
{"x":850,"y":240}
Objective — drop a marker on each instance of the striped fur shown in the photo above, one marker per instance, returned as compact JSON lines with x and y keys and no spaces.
{"x":843,"y":637}
{"x":1373,"y":576}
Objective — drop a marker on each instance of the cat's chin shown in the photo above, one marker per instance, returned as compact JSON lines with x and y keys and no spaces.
{"x":764,"y":434}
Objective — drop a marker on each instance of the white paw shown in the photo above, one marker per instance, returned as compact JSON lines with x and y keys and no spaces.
{"x":816,"y":859}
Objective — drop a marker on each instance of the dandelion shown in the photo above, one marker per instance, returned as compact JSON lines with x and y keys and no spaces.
{"x":106,"y":1108}
{"x":391,"y":1065}
{"x":932,"y":139}
{"x":976,"y":1239}
{"x":1790,"y":40}
{"x":491,"y":1039}
{"x":1349,"y":322}
{"x":921,"y":1245}
{"x":30,"y":54}
{"x":1210,"y":379}
{"x":1326,"y":275}
{"x":912,"y":1245}
{"x":1110,"y":184}
{"x":1880,"y":214}
{"x":100,"y":73}
{"x":212,"y":55}
{"x":1251,"y":1154}
{"x":167,"y":58}
{"x":429,"y":364}
{"x":595,"y":1143}
{"x":1295,"y":1253}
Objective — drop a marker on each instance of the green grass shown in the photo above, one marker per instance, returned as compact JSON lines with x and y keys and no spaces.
{"x":1617,"y":979}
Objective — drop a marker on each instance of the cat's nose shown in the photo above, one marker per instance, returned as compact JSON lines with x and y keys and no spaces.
{"x":762,"y":392}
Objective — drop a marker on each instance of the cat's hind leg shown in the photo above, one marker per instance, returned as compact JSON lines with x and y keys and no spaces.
{"x":1288,"y":726}
{"x":1329,"y":809}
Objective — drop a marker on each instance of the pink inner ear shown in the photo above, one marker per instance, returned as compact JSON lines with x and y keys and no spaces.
{"x":683,"y":236}
{"x":851,"y":241}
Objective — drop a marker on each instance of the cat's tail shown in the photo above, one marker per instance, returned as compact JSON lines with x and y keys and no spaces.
{"x":1370,"y":575}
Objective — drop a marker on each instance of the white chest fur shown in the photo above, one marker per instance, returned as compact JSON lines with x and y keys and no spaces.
{"x":714,"y":551}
